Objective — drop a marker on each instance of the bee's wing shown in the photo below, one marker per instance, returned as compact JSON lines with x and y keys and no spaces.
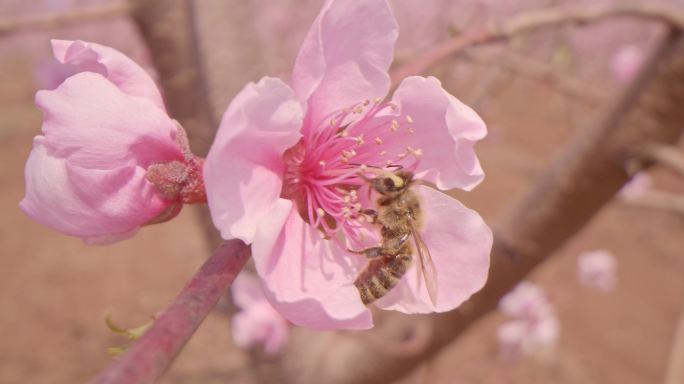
{"x":427,"y":266}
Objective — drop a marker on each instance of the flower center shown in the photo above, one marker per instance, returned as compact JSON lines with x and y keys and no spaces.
{"x":326,"y":169}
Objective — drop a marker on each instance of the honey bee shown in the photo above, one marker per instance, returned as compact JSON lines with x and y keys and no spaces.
{"x":399,"y":215}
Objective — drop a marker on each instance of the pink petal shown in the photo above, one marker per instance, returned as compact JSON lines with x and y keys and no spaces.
{"x":460,"y":243}
{"x":110,"y":63}
{"x":246,"y":290}
{"x":244,"y":169}
{"x":95,"y":125}
{"x":639,"y":185}
{"x":597,"y":269}
{"x":258,"y":322}
{"x":88,"y":203}
{"x":526,"y":300}
{"x":444,"y":129}
{"x":345,"y":56}
{"x":308,"y":279}
{"x":627,"y":62}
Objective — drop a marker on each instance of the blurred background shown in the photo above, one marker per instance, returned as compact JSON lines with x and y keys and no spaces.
{"x":534,"y":91}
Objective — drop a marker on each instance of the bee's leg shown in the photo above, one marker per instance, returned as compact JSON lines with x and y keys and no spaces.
{"x":390,"y":247}
{"x":371,"y":213}
{"x":370,"y":252}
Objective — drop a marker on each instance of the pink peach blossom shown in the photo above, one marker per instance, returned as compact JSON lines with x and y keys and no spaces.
{"x":110,"y":159}
{"x":258,"y":323}
{"x":284,"y":173}
{"x":597,"y":269}
{"x":534,"y":326}
{"x":626,"y":63}
{"x":637,"y":186}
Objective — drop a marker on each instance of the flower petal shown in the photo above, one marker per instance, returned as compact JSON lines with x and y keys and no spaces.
{"x":443,"y":128}
{"x":244,"y":169}
{"x":460,"y":243}
{"x":92,"y":204}
{"x":345,"y":56}
{"x":96,"y":125}
{"x":110,"y":63}
{"x":246,"y":290}
{"x":308,"y":279}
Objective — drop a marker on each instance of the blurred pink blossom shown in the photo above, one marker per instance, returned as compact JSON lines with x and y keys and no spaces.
{"x":640,"y":183}
{"x":285,"y":173}
{"x":597,"y":269}
{"x":110,"y":159}
{"x":534,"y":327}
{"x":258,"y":323}
{"x":626,"y":63}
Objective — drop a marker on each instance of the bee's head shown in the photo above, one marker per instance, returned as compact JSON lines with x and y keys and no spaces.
{"x":392,"y":183}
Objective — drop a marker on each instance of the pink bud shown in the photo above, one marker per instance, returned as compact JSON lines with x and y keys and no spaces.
{"x":102,"y":167}
{"x":626,"y":63}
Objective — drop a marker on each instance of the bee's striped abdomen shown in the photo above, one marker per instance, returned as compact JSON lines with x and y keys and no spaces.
{"x":382,"y":274}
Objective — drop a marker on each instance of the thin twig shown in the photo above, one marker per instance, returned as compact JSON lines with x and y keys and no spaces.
{"x":665,"y":201}
{"x":586,"y":176}
{"x":526,"y":22}
{"x":152,"y":354}
{"x":666,"y":155}
{"x":60,"y":19}
{"x":542,"y":73}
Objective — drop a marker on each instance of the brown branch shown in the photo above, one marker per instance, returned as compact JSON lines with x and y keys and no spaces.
{"x":152,"y":354}
{"x":60,"y":19}
{"x":666,"y":155}
{"x":526,"y":22}
{"x":587,"y":174}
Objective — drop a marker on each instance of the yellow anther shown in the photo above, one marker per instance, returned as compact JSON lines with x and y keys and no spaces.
{"x":366,"y":102}
{"x":320,"y":212}
{"x":378,"y":140}
{"x":409,"y":119}
{"x":394,"y":126}
{"x":344,"y":133}
{"x":333,"y":122}
{"x":359,"y":140}
{"x":418,"y":152}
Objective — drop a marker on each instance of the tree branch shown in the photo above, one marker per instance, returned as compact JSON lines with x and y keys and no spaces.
{"x":666,"y":155}
{"x":543,"y":73}
{"x":664,"y":201}
{"x":530,"y":21}
{"x":59,"y":19}
{"x":152,"y":354}
{"x":587,"y":174}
